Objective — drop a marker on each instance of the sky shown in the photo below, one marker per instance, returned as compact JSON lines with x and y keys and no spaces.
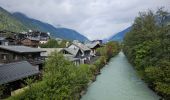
{"x":95,"y":19}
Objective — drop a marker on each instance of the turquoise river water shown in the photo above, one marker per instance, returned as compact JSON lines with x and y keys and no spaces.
{"x":119,"y":81}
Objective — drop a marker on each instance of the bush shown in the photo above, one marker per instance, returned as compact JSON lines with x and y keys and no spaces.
{"x":61,"y":80}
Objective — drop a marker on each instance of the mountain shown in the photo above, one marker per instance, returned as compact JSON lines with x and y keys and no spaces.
{"x":10,"y":23}
{"x":64,"y":33}
{"x":18,"y":22}
{"x":119,"y":36}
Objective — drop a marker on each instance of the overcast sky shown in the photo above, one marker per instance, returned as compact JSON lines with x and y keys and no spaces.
{"x":96,"y":19}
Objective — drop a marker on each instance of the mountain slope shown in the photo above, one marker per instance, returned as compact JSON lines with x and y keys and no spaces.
{"x":120,"y":35}
{"x":8,"y":22}
{"x":63,"y":33}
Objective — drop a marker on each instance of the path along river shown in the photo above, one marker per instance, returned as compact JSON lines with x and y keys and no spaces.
{"x":119,"y":81}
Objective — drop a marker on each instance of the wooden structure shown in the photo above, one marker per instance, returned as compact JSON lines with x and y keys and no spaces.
{"x":10,"y":54}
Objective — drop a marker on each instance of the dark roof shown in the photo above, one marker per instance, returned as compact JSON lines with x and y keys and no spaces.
{"x":72,"y":51}
{"x":92,"y":45}
{"x":16,"y":71}
{"x":2,"y":38}
{"x":81,"y":46}
{"x":21,"y":49}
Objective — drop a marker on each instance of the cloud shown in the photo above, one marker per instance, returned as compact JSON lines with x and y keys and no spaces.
{"x":96,"y":19}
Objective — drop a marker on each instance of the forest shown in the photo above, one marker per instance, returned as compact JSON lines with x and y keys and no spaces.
{"x":147,"y":47}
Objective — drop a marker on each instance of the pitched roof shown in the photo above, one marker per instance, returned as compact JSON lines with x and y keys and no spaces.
{"x":15,"y":71}
{"x":81,"y":46}
{"x":49,"y":51}
{"x":72,"y":51}
{"x":2,"y":38}
{"x":21,"y":49}
{"x":92,"y":45}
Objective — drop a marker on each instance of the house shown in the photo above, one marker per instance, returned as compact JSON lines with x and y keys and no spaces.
{"x":8,"y":41}
{"x":43,"y":41}
{"x":73,"y":55}
{"x":93,"y":46}
{"x":49,"y":51}
{"x":10,"y":54}
{"x":73,"y":59}
{"x":3,"y":41}
{"x":31,"y":42}
{"x":76,"y":52}
{"x":85,"y":57}
{"x":33,"y":38}
{"x":12,"y":75}
{"x":12,"y":40}
{"x":99,"y":41}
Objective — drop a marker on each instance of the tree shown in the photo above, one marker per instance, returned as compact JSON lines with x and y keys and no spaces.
{"x":147,"y":48}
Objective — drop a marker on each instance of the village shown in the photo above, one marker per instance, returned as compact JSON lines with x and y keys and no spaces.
{"x":22,"y":57}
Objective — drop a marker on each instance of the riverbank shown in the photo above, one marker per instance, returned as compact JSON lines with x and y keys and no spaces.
{"x":98,"y":72}
{"x":147,"y":47}
{"x":119,"y":81}
{"x":106,"y":53}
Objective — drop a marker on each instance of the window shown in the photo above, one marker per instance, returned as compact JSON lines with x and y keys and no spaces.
{"x":15,"y":57}
{"x":4,"y":57}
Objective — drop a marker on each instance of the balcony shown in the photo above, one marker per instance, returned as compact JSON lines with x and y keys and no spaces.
{"x":35,"y":61}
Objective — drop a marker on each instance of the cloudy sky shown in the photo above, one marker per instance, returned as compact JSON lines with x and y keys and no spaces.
{"x":96,"y":19}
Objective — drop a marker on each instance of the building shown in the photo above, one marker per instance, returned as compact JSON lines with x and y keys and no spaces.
{"x":73,"y":55}
{"x":93,"y":46}
{"x":3,"y":41}
{"x":72,"y":59}
{"x":76,"y":52}
{"x":99,"y":41}
{"x":10,"y":54}
{"x":31,"y":42}
{"x":49,"y":51}
{"x":12,"y":75}
{"x":11,"y":40}
{"x":85,"y":56}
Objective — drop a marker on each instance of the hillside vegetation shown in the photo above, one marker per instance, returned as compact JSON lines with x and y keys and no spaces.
{"x":8,"y":22}
{"x":18,"y":22}
{"x":147,"y":47}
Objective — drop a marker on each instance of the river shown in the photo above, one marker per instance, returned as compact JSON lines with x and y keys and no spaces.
{"x":119,"y":81}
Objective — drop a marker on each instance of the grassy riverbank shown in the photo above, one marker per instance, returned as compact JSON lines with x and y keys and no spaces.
{"x":147,"y":48}
{"x":63,"y":80}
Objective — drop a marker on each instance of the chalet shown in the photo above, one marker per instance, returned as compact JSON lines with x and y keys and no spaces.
{"x":12,"y":75}
{"x":11,"y":40}
{"x":76,"y":52}
{"x":93,"y":46}
{"x":49,"y":51}
{"x":8,"y":41}
{"x":39,"y":35}
{"x":3,"y":41}
{"x":99,"y":41}
{"x":31,"y":42}
{"x":73,"y":55}
{"x":85,"y":57}
{"x":43,"y":41}
{"x":10,"y":54}
{"x":73,"y":59}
